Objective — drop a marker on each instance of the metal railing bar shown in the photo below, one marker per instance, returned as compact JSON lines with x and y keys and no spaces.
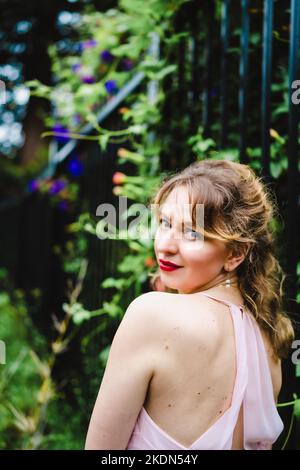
{"x":224,"y":72}
{"x":266,"y":85}
{"x":244,"y":58}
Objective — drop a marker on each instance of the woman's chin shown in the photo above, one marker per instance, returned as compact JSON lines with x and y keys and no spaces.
{"x":171,"y":283}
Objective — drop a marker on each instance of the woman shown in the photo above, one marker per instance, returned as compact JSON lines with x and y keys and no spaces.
{"x":199,"y":365}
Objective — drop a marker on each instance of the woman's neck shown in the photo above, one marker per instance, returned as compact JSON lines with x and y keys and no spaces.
{"x":228,"y":282}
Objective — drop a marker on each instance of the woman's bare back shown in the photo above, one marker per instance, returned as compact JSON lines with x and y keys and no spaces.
{"x":195,"y":367}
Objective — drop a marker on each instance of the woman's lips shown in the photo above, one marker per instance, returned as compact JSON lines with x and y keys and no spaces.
{"x":168,"y":266}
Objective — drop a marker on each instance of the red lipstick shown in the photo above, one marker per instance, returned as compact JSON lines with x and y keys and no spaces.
{"x":167,"y":265}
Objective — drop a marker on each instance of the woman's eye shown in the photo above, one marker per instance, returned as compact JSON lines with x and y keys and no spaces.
{"x":193,"y":235}
{"x":162,"y":221}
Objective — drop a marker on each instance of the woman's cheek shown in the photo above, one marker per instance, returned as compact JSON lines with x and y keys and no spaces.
{"x":193,"y":251}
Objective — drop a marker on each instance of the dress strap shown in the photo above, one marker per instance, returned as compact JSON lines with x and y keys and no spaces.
{"x":262,"y":422}
{"x":226,"y":302}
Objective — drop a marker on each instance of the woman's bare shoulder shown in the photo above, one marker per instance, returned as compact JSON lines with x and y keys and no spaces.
{"x":149,"y":301}
{"x":156,"y":301}
{"x":152,"y":299}
{"x":167,"y":310}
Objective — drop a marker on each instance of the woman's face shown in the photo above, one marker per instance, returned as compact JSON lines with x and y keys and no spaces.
{"x":201,"y":261}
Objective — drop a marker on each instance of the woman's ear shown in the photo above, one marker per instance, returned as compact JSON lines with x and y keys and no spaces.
{"x":236,"y":257}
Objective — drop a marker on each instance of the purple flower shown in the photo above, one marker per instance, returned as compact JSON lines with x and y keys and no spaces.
{"x":90,"y":43}
{"x":76,"y":67}
{"x":107,"y":57}
{"x":57,"y":186}
{"x":75,"y":166}
{"x":62,"y":131}
{"x":33,"y":185}
{"x":127,"y":64}
{"x":88,"y":79}
{"x":111,"y":87}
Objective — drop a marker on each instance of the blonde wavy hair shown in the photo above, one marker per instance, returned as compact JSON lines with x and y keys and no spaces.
{"x":239,"y":209}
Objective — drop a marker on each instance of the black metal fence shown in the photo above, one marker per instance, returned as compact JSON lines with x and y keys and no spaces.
{"x":224,"y":84}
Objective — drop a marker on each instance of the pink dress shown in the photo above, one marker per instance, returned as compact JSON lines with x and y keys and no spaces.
{"x":253,"y":389}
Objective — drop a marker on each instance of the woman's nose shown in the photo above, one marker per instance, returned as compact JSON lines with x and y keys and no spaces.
{"x":166,"y":242}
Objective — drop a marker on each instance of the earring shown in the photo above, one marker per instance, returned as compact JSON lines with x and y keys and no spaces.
{"x":228,"y":282}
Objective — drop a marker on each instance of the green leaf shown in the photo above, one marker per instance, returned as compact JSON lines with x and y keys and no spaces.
{"x":162,"y":73}
{"x":135,"y":246}
{"x":81,"y":316}
{"x":230,"y":154}
{"x":112,"y":309}
{"x":112,"y":282}
{"x":143,"y":277}
{"x":175,"y":38}
{"x":283,"y":109}
{"x":297,"y":408}
{"x":254,"y":152}
{"x":72,"y":266}
{"x":103,"y":141}
{"x":130,"y":264}
{"x":233,"y":50}
{"x":103,"y":356}
{"x":137,"y":129}
{"x":4,"y":299}
{"x":204,"y":145}
{"x":276,"y":169}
